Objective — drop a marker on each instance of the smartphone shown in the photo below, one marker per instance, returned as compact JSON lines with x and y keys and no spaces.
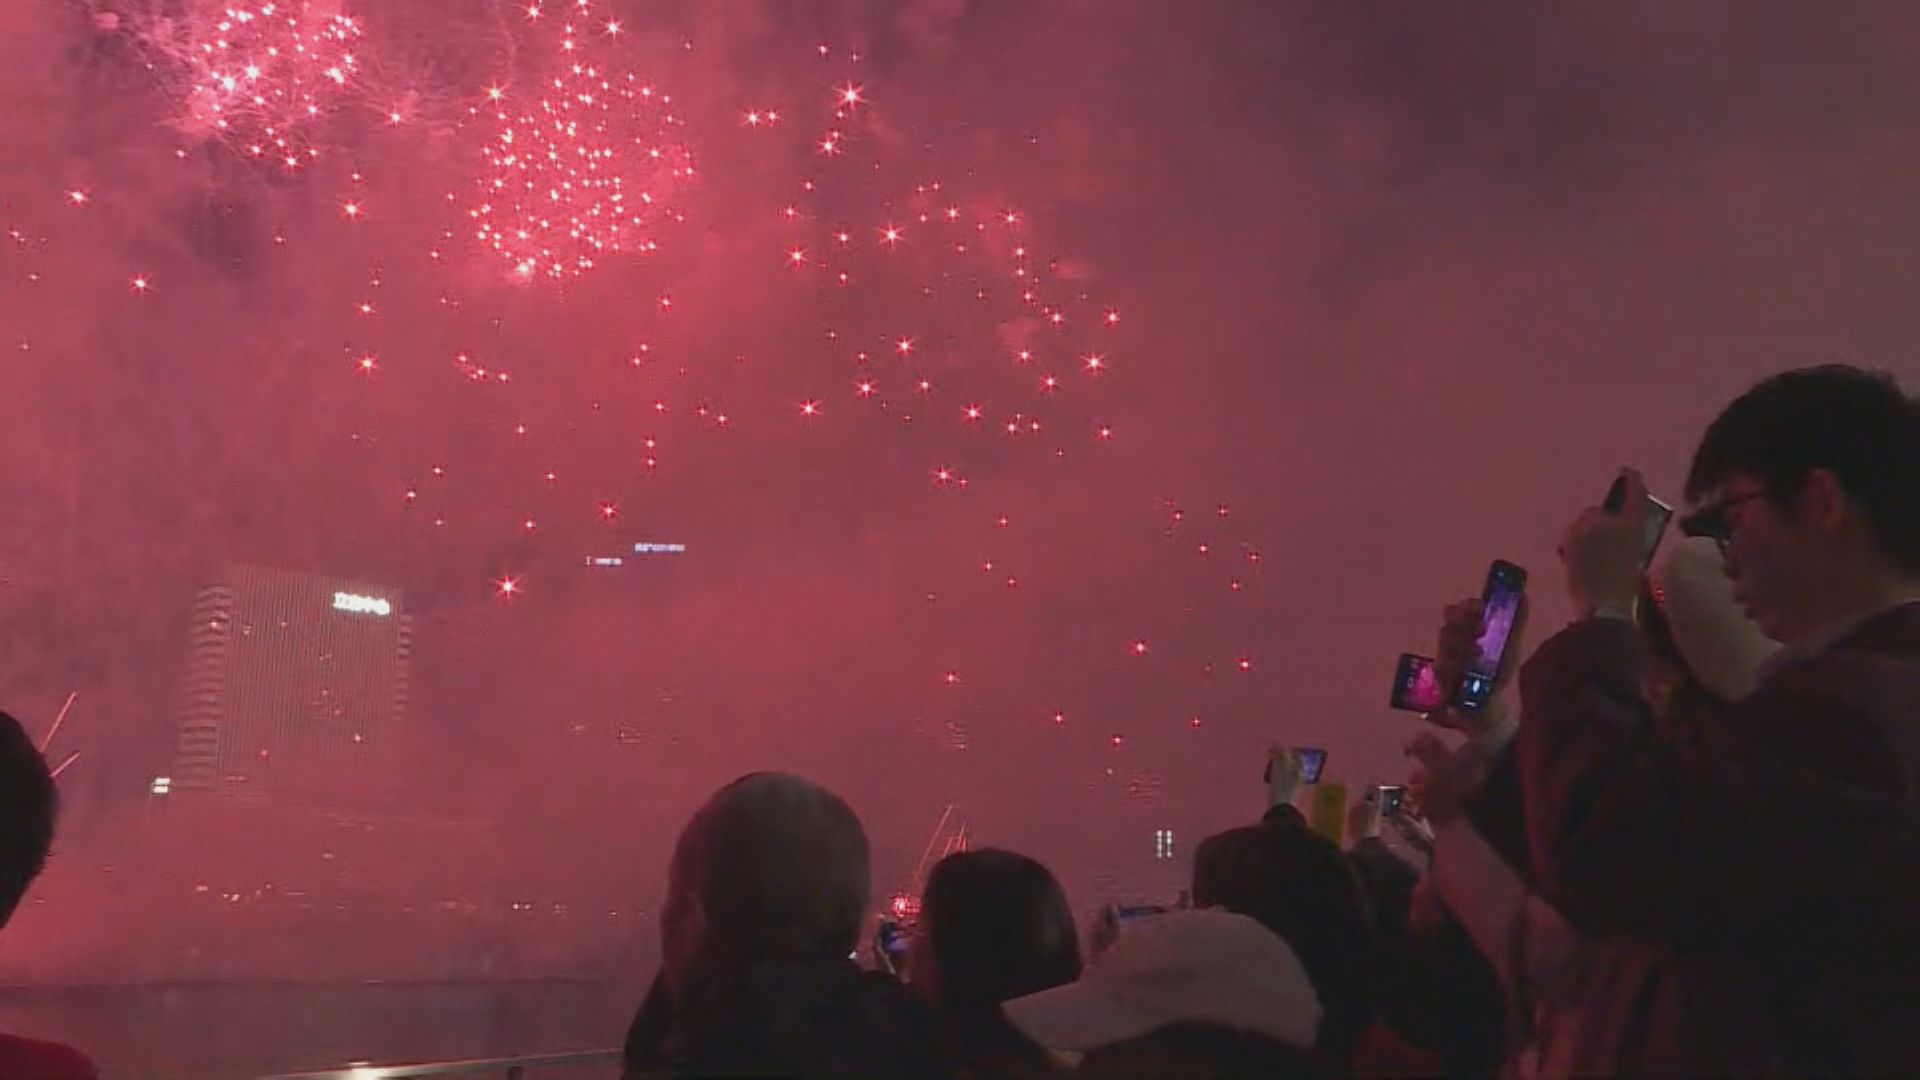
{"x":1500,"y":605}
{"x":1132,"y":913}
{"x":1658,"y":514}
{"x":1312,"y":761}
{"x":1389,"y":798}
{"x":894,"y":942}
{"x":1416,"y":688}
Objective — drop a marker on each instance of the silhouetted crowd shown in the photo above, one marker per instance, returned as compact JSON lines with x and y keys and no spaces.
{"x":1681,"y":838}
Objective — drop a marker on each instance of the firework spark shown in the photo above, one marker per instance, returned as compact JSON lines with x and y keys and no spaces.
{"x":259,"y":76}
{"x":580,"y":160}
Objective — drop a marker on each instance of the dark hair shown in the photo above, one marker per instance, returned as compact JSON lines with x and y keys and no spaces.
{"x":1857,"y":424}
{"x":999,"y":928}
{"x":1297,"y":884}
{"x":779,"y":867}
{"x":27,"y":805}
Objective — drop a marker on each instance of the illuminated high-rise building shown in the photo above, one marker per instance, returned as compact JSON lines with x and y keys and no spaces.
{"x":294,"y":682}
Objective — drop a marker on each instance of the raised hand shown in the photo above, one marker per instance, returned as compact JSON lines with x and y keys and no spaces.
{"x":1459,"y":649}
{"x":1604,"y":552}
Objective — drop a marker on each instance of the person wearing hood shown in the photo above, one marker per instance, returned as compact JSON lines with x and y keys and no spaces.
{"x":765,"y":895}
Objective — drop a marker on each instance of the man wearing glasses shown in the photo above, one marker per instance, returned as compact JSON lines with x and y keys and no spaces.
{"x":1778,"y":865}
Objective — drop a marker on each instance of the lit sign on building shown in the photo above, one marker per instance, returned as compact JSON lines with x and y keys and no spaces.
{"x":285,"y":689}
{"x":646,"y":547}
{"x":605,"y":561}
{"x":361,"y":605}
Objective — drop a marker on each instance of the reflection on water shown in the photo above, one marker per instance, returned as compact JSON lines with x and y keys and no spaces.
{"x":216,"y":1031}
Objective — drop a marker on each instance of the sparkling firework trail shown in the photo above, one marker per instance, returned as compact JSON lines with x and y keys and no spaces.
{"x":580,"y":158}
{"x":939,"y":362}
{"x":259,"y":76}
{"x":59,"y":719}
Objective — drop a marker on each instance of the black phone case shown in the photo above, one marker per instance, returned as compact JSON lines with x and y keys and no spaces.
{"x":1501,"y":573}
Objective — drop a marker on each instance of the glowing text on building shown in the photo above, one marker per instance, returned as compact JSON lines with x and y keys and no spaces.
{"x":361,"y":605}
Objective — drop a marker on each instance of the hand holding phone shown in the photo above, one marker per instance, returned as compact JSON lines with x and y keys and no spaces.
{"x":1461,"y":627}
{"x":1366,"y":817}
{"x":1606,"y":552}
{"x":1126,"y":915}
{"x":1312,"y":760}
{"x":1282,"y":776}
{"x":891,"y":944}
{"x":1657,"y":516}
{"x":1416,"y":832}
{"x":1416,"y":685}
{"x":1501,"y":610}
{"x":1390,"y":797}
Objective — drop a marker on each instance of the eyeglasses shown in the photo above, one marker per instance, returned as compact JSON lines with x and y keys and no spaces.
{"x":1712,"y":521}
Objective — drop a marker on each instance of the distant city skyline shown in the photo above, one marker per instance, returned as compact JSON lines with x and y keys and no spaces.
{"x":292,"y":676}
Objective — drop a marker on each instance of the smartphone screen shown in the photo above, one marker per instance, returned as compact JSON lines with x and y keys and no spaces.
{"x":894,"y":942}
{"x":1415,"y":686}
{"x":1390,"y":797}
{"x":1132,"y":913}
{"x":1506,"y":584}
{"x":1658,"y":514}
{"x":1312,"y":759}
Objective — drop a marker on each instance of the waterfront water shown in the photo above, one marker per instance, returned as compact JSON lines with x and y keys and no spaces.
{"x":213,"y":1031}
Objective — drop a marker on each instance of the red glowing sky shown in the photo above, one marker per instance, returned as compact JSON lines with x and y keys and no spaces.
{"x":1058,"y":403}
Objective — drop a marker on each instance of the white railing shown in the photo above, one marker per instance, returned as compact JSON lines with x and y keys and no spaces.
{"x":512,"y":1068}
